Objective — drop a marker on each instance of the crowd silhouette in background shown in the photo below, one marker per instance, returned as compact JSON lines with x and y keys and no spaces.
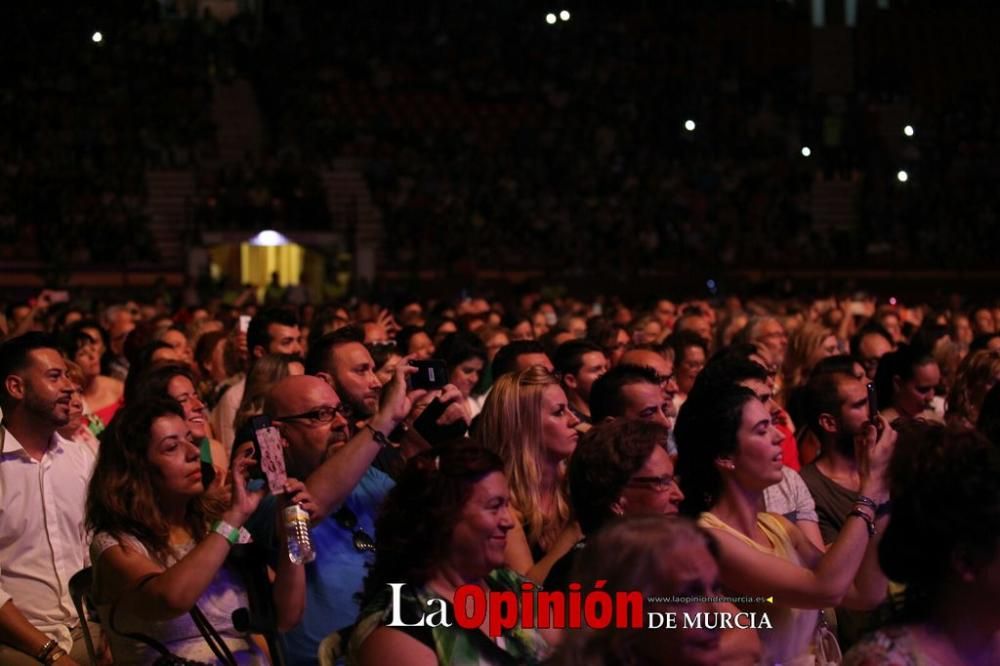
{"x":476,"y":130}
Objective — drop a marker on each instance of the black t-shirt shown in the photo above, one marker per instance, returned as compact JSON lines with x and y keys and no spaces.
{"x":559,"y":574}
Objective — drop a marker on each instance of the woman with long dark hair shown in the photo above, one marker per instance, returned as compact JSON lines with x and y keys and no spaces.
{"x":161,"y":540}
{"x":728,"y":453}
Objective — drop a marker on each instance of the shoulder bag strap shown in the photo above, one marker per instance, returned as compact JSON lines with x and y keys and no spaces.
{"x":212,"y":637}
{"x":208,"y":632}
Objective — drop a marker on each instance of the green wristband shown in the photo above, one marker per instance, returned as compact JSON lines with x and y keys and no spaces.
{"x":226,"y":531}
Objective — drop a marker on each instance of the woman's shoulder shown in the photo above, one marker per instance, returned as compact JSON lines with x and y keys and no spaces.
{"x":892,"y":646}
{"x":110,"y":386}
{"x":102,"y":542}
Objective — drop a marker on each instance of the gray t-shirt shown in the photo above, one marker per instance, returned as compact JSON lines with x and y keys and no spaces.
{"x":790,"y":498}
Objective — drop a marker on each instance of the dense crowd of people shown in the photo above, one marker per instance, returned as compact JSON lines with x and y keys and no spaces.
{"x":816,"y":464}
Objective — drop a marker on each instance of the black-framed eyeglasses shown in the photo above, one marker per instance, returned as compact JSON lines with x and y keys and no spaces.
{"x":363,"y":542}
{"x":663,"y":379}
{"x":657,"y":483}
{"x":318,"y":415}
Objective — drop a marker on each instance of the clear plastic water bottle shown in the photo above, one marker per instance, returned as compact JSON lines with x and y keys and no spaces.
{"x":300,"y":548}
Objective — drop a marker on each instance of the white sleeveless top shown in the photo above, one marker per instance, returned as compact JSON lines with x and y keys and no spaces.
{"x":225,"y":594}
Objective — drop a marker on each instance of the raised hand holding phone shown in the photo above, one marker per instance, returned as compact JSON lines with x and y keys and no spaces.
{"x":272,"y":458}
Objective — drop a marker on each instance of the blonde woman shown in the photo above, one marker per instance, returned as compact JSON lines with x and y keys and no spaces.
{"x":526,"y":420}
{"x":807,"y":345}
{"x":977,"y":374}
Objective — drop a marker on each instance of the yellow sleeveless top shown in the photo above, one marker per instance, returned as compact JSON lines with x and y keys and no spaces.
{"x":790,"y":641}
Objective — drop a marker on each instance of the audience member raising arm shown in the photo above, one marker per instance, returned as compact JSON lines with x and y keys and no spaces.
{"x":160,"y":541}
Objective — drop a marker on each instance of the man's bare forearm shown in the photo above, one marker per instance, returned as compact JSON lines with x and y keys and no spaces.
{"x":17,"y":632}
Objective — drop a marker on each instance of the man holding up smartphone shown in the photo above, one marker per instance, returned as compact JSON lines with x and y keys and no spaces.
{"x":341,"y":359}
{"x":838,"y":411}
{"x":347,"y":491}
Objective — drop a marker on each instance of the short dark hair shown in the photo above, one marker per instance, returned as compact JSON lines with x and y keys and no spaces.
{"x":605,"y":459}
{"x":606,"y":393}
{"x":683,"y":340}
{"x":727,"y":370}
{"x":899,"y":363}
{"x":460,"y":346}
{"x":506,"y":359}
{"x":871,"y":328}
{"x":821,"y":395}
{"x":142,"y":358}
{"x":319,"y":351}
{"x":151,"y":382}
{"x":836,"y":363}
{"x":604,"y":332}
{"x":742,"y":350}
{"x":405,"y":334}
{"x":74,"y":335}
{"x":14,"y":357}
{"x":568,"y":358}
{"x":257,"y":334}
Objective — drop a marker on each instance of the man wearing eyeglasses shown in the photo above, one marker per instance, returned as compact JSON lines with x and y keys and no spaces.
{"x":659,"y":361}
{"x":632,"y":392}
{"x":346,"y":488}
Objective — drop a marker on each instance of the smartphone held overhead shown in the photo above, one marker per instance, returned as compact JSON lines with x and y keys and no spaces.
{"x":270,"y":454}
{"x":431,"y":374}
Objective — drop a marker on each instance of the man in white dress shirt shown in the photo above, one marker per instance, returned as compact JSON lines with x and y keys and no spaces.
{"x":43,"y":492}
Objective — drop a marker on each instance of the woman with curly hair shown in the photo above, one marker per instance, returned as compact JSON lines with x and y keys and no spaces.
{"x":978,"y":373}
{"x":944,"y":544}
{"x":526,"y":420}
{"x":444,"y":525}
{"x":728,"y":453}
{"x":161,"y":540}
